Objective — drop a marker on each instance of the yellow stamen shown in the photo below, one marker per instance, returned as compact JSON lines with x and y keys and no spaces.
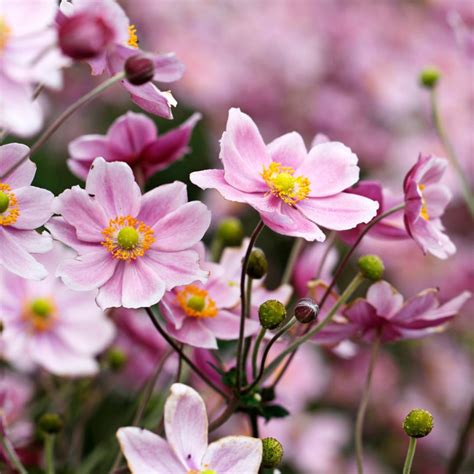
{"x":4,"y":34}
{"x":40,"y":313}
{"x":120,"y":242}
{"x":424,"y":209}
{"x":132,"y":36}
{"x":10,"y":215}
{"x":196,"y":302}
{"x":283,"y":184}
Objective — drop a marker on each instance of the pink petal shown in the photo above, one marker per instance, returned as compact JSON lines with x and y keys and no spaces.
{"x":226,"y":326}
{"x":193,"y":332}
{"x":110,"y":293}
{"x":186,"y":425}
{"x":363,"y":314}
{"x":10,"y":154}
{"x":32,"y":241}
{"x":168,"y":68}
{"x":289,"y":150}
{"x":65,"y":233}
{"x":437,"y":197}
{"x":149,"y":98}
{"x":35,"y":207}
{"x":84,"y":150}
{"x":384,"y":298}
{"x":147,"y":453}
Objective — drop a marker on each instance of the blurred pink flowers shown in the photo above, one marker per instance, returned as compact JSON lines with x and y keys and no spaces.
{"x":186,"y":448}
{"x":294,"y":191}
{"x":131,"y":247}
{"x":23,"y":208}
{"x":132,"y":138}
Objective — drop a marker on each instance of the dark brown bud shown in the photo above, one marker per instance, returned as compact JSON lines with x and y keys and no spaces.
{"x":306,"y":310}
{"x":139,"y":69}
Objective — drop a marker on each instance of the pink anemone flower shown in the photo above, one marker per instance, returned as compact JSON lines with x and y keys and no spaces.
{"x":293,"y":190}
{"x":186,"y":449}
{"x":425,"y":202}
{"x":23,"y":208}
{"x":132,"y":138}
{"x":132,"y":248}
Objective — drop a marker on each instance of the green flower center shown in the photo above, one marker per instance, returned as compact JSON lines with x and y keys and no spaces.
{"x":42,"y":308}
{"x":284,"y":182}
{"x":128,"y":238}
{"x":196,"y":302}
{"x":4,"y":201}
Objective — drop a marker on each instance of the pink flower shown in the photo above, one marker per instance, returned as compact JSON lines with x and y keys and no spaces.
{"x":132,"y":138}
{"x":49,"y":325}
{"x":186,"y":449}
{"x":23,"y":208}
{"x":131,"y":247}
{"x":384,"y":312}
{"x":125,"y":45}
{"x":293,"y":190}
{"x":426,"y":200}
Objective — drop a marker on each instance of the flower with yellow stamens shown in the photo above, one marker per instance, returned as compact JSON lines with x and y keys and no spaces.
{"x":132,"y":36}
{"x":9,"y":208}
{"x":196,"y":302}
{"x":40,"y":313}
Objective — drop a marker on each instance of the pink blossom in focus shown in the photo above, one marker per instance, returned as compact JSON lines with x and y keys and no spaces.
{"x":186,"y":448}
{"x":294,"y":191}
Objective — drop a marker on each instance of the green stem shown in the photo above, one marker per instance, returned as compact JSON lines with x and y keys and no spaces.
{"x":227,"y":413}
{"x":359,"y":426}
{"x":49,"y":453}
{"x":248,"y":340}
{"x":410,"y":456}
{"x":256,"y":347}
{"x":216,"y":248}
{"x":63,"y":117}
{"x":294,"y":254}
{"x":11,"y":454}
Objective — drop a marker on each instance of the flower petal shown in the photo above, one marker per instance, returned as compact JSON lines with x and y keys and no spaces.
{"x":84,"y":150}
{"x":149,"y":98}
{"x":226,"y":326}
{"x":32,"y":241}
{"x":384,"y":298}
{"x":288,"y":150}
{"x":192,"y":331}
{"x":168,"y":68}
{"x":10,"y":154}
{"x":35,"y":207}
{"x":65,"y":233}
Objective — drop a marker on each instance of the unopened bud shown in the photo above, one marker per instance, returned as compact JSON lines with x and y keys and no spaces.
{"x":84,"y":36}
{"x":306,"y":310}
{"x":371,"y":267}
{"x":257,"y":265}
{"x":429,"y":77}
{"x":139,"y":69}
{"x":50,"y":423}
{"x":272,"y":453}
{"x":418,"y":423}
{"x":271,"y":314}
{"x":230,"y":232}
{"x":2,"y":326}
{"x":116,"y":358}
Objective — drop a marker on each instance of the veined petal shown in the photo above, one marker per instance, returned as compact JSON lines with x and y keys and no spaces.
{"x":10,"y":154}
{"x":35,"y":207}
{"x":288,"y":150}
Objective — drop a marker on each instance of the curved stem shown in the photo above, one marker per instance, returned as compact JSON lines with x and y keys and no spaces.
{"x":49,"y":453}
{"x":11,"y":454}
{"x":256,"y":347}
{"x":248,"y":340}
{"x":224,"y":416}
{"x":359,"y":426}
{"x":294,"y":254}
{"x":63,"y":117}
{"x":410,"y":456}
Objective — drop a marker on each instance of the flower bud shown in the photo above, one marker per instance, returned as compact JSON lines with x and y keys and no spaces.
{"x":50,"y":423}
{"x":116,"y":358}
{"x":2,"y":326}
{"x":429,"y":77}
{"x":371,"y":267}
{"x":139,"y":69}
{"x":271,"y":314}
{"x":230,"y":232}
{"x":257,"y":265}
{"x":84,"y":36}
{"x":306,"y":310}
{"x":272,"y":453}
{"x":418,"y":423}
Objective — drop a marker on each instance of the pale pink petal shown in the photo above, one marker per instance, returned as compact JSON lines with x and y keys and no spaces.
{"x":10,"y":154}
{"x":384,"y":298}
{"x":436,"y":198}
{"x":84,"y":150}
{"x":65,"y":233}
{"x":226,"y":325}
{"x":288,"y":150}
{"x":224,"y":293}
{"x":148,"y":453}
{"x":362,"y":313}
{"x":35,"y":207}
{"x":32,"y":241}
{"x":110,"y":293}
{"x":168,"y":68}
{"x":193,"y":332}
{"x":234,"y":455}
{"x":186,"y":425}
{"x":149,"y":98}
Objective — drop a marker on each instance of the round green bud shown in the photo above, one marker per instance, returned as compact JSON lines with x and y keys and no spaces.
{"x":128,"y":238}
{"x":429,"y":77}
{"x":272,"y":452}
{"x":50,"y":423}
{"x":371,"y":267}
{"x":271,"y":314}
{"x":230,"y":232}
{"x":418,"y":423}
{"x":116,"y":358}
{"x":257,"y":265}
{"x":4,"y":201}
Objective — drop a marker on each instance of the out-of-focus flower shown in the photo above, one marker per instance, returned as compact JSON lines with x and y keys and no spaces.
{"x":131,"y":247}
{"x":123,"y":46}
{"x":293,"y":190}
{"x":47,"y":324}
{"x":384,"y":314}
{"x":28,"y":56}
{"x":426,"y":200}
{"x":23,"y":208}
{"x":132,"y":138}
{"x":186,"y":448}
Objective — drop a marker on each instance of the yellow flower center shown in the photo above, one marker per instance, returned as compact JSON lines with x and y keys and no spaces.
{"x":40,"y":313}
{"x":127,"y":238}
{"x":132,"y":36}
{"x":283,"y":184}
{"x":196,"y":302}
{"x":424,"y":210}
{"x":9,"y":208}
{"x":4,"y":33}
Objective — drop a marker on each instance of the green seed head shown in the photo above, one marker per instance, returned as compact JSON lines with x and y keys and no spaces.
{"x":4,"y":202}
{"x":50,"y":423}
{"x":271,"y":314}
{"x":429,"y":77}
{"x":42,"y":307}
{"x":418,"y":423}
{"x":116,"y":358}
{"x":257,"y":265}
{"x":230,"y":232}
{"x":272,"y":453}
{"x":128,"y":238}
{"x":196,"y":302}
{"x":371,"y":267}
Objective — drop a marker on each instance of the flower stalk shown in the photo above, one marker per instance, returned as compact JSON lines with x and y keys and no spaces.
{"x":410,"y":456}
{"x":11,"y":454}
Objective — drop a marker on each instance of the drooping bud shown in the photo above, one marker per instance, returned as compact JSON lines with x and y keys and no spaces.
{"x":257,"y":265}
{"x":429,"y":77}
{"x":271,"y":314}
{"x":272,"y":453}
{"x":116,"y":358}
{"x":50,"y":423}
{"x":84,"y":36}
{"x":418,"y":423}
{"x":139,"y":69}
{"x":230,"y":232}
{"x":371,"y":267}
{"x":306,"y":310}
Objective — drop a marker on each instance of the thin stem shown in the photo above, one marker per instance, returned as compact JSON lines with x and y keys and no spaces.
{"x":225,"y":415}
{"x":451,"y":154}
{"x":254,"y":425}
{"x":248,"y":340}
{"x":63,"y":117}
{"x":240,"y":344}
{"x":410,"y":456}
{"x":359,"y":426}
{"x":188,"y":361}
{"x":11,"y":454}
{"x":462,"y":443}
{"x":290,"y":265}
{"x":179,"y":371}
{"x":49,"y":453}
{"x":256,"y":347}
